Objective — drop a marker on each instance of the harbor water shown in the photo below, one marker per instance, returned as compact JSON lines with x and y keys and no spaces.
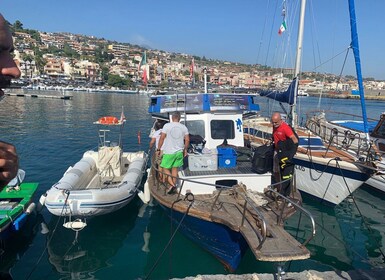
{"x":52,"y":134}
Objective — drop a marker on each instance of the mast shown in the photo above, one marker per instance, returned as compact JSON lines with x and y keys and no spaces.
{"x":356,"y":52}
{"x":301,"y":25}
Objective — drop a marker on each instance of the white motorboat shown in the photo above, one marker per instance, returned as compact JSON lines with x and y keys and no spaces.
{"x":101,"y":182}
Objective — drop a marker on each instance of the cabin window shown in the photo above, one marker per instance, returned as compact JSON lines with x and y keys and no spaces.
{"x":222,"y":129}
{"x":196,"y":127}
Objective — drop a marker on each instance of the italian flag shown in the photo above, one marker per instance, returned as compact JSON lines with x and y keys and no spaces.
{"x":282,"y":28}
{"x":143,"y":61}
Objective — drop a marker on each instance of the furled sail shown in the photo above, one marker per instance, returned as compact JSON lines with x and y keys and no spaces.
{"x":281,"y":96}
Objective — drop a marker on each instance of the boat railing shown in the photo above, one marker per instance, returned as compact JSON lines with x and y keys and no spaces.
{"x":260,"y":216}
{"x":344,"y":139}
{"x":299,"y":207}
{"x":248,"y":201}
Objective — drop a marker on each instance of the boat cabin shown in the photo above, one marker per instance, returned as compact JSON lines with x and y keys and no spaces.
{"x":217,"y":118}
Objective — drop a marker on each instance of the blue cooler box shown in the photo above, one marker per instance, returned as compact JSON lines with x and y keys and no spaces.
{"x":227,"y":157}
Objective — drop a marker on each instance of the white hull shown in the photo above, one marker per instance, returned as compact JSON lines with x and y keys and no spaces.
{"x":87,"y":190}
{"x":328,"y":186}
{"x":377,"y":182}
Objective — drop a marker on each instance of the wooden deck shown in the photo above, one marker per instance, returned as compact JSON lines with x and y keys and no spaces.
{"x":227,"y":207}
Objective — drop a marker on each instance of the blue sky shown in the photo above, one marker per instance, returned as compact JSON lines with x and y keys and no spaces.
{"x":240,"y":31}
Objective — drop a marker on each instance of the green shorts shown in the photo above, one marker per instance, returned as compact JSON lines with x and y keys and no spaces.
{"x":172,"y":160}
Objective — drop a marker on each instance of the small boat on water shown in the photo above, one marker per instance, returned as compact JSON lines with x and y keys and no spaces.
{"x":222,"y":203}
{"x":16,"y":203}
{"x":102,"y":181}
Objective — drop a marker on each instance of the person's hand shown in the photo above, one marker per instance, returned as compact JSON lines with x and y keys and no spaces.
{"x":9,"y":163}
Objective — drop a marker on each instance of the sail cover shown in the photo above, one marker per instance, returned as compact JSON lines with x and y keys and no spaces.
{"x":281,"y":96}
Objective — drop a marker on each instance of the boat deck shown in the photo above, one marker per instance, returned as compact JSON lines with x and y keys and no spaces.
{"x":226,"y":207}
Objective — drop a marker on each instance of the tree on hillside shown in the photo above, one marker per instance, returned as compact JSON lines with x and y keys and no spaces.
{"x":116,"y":81}
{"x":17,"y":26}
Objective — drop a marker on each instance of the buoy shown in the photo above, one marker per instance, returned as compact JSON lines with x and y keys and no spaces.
{"x":30,"y":208}
{"x":41,"y":202}
{"x":75,"y":225}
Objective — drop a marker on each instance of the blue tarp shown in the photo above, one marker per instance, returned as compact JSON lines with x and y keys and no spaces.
{"x":358,"y":126}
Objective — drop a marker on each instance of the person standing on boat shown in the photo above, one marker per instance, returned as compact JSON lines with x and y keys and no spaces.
{"x":9,"y":162}
{"x":285,"y":144}
{"x":158,"y":127}
{"x":174,"y":141}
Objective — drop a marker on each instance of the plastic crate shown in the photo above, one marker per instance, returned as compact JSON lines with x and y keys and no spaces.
{"x":203,"y":162}
{"x":227,"y":157}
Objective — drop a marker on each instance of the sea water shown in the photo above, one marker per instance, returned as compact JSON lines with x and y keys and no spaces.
{"x":52,"y":134}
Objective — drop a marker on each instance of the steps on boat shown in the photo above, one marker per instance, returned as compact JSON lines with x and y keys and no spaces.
{"x":279,"y":244}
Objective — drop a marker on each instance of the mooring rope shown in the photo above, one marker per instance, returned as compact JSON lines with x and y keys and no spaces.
{"x":191,"y":200}
{"x":49,"y":240}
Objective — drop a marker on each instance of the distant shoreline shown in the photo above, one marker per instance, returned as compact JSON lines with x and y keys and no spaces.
{"x":350,"y":96}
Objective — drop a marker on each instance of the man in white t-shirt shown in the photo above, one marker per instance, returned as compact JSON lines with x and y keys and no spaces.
{"x":174,"y":141}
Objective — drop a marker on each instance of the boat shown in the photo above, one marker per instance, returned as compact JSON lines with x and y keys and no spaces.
{"x":102,"y":181}
{"x":302,"y":92}
{"x":347,"y":133}
{"x":357,"y":135}
{"x":323,"y":171}
{"x":221,"y":203}
{"x":16,"y":204}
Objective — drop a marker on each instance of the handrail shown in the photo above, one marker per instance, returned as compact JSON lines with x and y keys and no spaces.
{"x":264,"y":224}
{"x":221,"y":188}
{"x":301,"y":209}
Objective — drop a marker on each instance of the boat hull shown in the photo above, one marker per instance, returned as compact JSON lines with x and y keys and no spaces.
{"x":14,"y":213}
{"x":329,"y":182}
{"x":82,"y":191}
{"x":227,"y":245}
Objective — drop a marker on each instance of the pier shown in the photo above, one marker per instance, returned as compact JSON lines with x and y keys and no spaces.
{"x":65,"y":97}
{"x":377,"y":273}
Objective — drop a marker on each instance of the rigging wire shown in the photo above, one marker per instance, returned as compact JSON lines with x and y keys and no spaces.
{"x":263,"y":31}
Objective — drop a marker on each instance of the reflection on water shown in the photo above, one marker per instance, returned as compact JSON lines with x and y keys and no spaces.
{"x":79,"y":254}
{"x":52,"y":134}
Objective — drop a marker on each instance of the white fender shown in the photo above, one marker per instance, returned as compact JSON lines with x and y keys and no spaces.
{"x":30,"y":208}
{"x":147,"y":194}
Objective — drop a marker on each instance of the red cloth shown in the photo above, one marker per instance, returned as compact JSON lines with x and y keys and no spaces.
{"x":282,"y":133}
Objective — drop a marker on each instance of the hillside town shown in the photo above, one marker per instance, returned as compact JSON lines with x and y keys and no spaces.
{"x":71,"y":60}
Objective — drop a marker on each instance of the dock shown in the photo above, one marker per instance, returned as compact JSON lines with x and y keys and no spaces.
{"x":376,"y":273}
{"x":65,"y":97}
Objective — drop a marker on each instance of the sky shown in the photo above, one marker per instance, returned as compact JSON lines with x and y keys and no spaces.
{"x":244,"y":31}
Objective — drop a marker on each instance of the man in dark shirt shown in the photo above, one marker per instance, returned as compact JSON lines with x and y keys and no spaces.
{"x":285,"y":144}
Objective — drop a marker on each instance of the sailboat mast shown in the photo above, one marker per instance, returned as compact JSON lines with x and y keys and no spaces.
{"x":356,"y":53}
{"x":301,"y":26}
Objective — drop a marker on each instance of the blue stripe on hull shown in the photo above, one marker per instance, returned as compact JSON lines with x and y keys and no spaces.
{"x":333,"y":169}
{"x":225,"y":244}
